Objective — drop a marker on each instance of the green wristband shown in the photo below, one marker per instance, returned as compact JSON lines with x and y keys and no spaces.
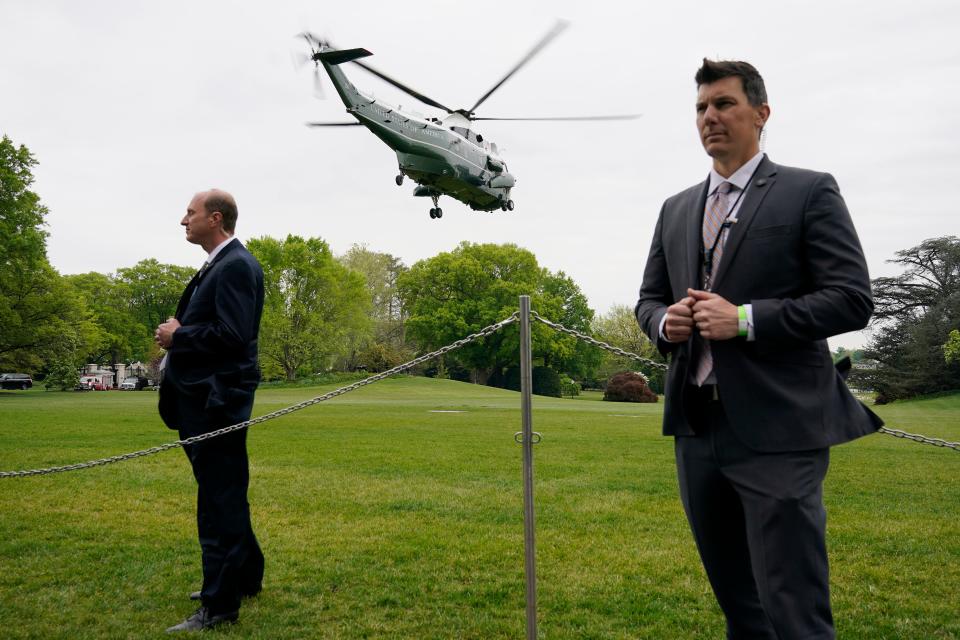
{"x":742,"y":321}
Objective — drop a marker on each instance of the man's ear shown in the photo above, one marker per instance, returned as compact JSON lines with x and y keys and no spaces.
{"x":763,"y":114}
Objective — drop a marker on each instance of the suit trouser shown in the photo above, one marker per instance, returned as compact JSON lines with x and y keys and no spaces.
{"x":232,"y":559}
{"x":759,"y":524}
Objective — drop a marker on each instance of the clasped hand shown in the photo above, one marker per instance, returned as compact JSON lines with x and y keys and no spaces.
{"x":163,"y":336}
{"x":714,"y":317}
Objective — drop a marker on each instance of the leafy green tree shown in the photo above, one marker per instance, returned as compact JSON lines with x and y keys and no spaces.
{"x":22,"y":217}
{"x":951,"y":349}
{"x":619,"y":327}
{"x":62,"y":376}
{"x":314,"y":307}
{"x":386,"y":346}
{"x":152,"y":290}
{"x":124,"y":336}
{"x":459,"y":292}
{"x":42,"y":320}
{"x":563,"y":302}
{"x":915,"y":313}
{"x":381,"y":271}
{"x":45,"y":321}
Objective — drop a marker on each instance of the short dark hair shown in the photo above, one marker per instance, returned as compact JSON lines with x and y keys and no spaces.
{"x":713,"y":70}
{"x":223,"y":202}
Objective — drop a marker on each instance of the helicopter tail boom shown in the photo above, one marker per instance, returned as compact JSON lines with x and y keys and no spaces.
{"x":343,"y":55}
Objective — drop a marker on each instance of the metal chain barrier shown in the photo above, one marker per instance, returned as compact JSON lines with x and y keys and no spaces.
{"x":597,"y":343}
{"x":493,"y":328}
{"x":937,"y":442}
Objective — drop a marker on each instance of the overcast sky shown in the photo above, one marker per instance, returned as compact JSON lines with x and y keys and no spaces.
{"x":131,"y":107}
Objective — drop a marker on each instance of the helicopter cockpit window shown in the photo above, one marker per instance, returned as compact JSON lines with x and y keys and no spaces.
{"x":476,"y":138}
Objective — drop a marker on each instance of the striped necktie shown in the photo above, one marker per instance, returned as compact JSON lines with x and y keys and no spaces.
{"x":713,"y":218}
{"x":715,"y":213}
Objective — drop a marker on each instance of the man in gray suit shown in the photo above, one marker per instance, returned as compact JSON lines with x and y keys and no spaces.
{"x":749,"y":273}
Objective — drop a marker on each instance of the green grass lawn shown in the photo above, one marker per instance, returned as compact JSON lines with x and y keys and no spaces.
{"x":385,"y":514}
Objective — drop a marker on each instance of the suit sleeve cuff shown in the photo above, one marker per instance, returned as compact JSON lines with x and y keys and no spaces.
{"x":751,"y":333}
{"x":663,"y":323}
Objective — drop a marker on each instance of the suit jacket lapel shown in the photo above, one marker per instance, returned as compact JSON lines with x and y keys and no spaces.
{"x":195,"y":281}
{"x":185,"y":296}
{"x":694,"y":238}
{"x":757,"y":190}
{"x":227,"y":248}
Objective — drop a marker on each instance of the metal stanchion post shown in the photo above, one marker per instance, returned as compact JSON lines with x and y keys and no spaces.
{"x":526,"y":390}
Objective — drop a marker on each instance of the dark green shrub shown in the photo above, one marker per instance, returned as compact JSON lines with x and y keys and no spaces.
{"x":511,"y":378}
{"x":546,"y":382}
{"x":568,"y":386}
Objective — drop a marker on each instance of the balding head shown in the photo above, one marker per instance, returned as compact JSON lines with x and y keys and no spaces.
{"x":217,"y":200}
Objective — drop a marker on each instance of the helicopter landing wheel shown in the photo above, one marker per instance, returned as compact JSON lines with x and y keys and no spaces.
{"x":509,"y":205}
{"x":439,"y":212}
{"x":433,"y":214}
{"x":399,"y":179}
{"x":503,"y":207}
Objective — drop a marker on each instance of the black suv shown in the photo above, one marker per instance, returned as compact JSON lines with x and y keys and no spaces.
{"x":15,"y":381}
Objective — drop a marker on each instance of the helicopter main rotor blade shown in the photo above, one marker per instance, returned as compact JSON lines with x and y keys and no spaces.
{"x":544,"y":41}
{"x":314,"y":41}
{"x":399,"y":85}
{"x":631,"y":116}
{"x":333,"y":124}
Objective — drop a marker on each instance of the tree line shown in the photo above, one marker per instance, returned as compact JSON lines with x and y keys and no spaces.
{"x":368,"y":311}
{"x":360,"y":311}
{"x":915,"y":348}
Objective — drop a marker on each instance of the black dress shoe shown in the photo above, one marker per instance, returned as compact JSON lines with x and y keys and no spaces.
{"x":243,"y":594}
{"x":203,"y":619}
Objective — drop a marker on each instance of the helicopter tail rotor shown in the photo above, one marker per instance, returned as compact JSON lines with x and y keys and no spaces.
{"x":317,"y":46}
{"x":321,"y":49}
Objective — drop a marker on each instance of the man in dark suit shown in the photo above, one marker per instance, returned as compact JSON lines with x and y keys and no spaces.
{"x":748,"y":274}
{"x":209,"y":377}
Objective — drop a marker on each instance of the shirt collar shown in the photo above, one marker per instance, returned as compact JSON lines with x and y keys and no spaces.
{"x":740,"y":178}
{"x":217,"y":249}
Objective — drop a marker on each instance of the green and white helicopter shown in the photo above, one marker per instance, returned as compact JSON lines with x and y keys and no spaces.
{"x":444,"y":156}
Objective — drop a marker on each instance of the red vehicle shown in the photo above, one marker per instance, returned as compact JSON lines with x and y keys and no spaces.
{"x":90,"y":383}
